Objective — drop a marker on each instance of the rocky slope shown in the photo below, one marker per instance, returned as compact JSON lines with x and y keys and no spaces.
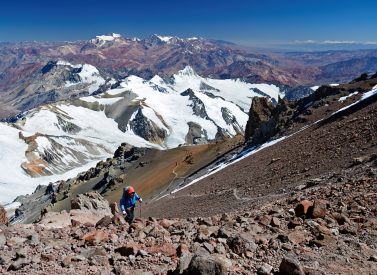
{"x":317,"y":229}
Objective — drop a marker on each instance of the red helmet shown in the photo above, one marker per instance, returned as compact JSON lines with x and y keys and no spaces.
{"x":130,"y":190}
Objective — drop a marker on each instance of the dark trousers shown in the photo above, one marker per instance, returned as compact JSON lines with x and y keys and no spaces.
{"x":130,"y":214}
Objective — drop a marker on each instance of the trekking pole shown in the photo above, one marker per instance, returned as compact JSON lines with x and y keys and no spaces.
{"x":140,"y":210}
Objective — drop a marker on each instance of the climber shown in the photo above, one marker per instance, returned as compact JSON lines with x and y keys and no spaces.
{"x":128,"y":201}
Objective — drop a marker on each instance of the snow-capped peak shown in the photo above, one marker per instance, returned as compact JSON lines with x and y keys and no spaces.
{"x":101,"y":39}
{"x":87,"y":74}
{"x":187,"y":71}
{"x":166,"y":39}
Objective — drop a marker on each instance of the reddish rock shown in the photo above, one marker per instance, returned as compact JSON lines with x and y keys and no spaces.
{"x":303,"y":207}
{"x":3,"y":239}
{"x":67,"y":261}
{"x":296,"y":237}
{"x":165,"y":223}
{"x":265,"y":220}
{"x":318,"y":210}
{"x":96,"y":237}
{"x":166,"y":249}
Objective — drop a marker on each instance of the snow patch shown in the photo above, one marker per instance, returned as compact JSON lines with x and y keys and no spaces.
{"x":343,"y":98}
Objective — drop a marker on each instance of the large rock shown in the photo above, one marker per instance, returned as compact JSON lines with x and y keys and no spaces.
{"x":206,"y":265}
{"x":290,"y":266}
{"x":265,"y":120}
{"x":92,"y":202}
{"x":260,"y":112}
{"x":303,"y":208}
{"x":242,"y":243}
{"x":96,"y":237}
{"x":3,"y":216}
{"x":319,"y":209}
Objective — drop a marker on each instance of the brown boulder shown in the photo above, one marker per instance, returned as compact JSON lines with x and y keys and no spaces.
{"x":303,"y":208}
{"x":296,"y":237}
{"x":95,"y":237}
{"x":166,"y":249}
{"x":290,"y":266}
{"x":242,"y":243}
{"x":318,"y":210}
{"x":104,"y":222}
{"x":265,"y":220}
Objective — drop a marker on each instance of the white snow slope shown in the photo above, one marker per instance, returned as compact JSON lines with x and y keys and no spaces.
{"x":75,"y":135}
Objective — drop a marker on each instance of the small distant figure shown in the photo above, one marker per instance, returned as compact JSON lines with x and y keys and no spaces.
{"x":128,"y":202}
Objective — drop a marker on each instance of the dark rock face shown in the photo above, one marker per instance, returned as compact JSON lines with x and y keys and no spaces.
{"x":259,"y":114}
{"x":232,"y":120}
{"x":290,"y":266}
{"x":197,"y":105}
{"x":147,"y":129}
{"x":265,"y":120}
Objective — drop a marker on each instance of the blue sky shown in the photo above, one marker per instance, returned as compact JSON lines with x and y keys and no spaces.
{"x":245,"y":22}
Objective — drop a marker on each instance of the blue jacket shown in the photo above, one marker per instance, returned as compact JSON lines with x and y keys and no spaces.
{"x":127,"y":201}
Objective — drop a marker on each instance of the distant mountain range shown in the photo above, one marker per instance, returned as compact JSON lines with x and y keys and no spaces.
{"x":25,"y":68}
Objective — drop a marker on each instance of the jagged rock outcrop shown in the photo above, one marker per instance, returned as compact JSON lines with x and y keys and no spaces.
{"x":266,"y":120}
